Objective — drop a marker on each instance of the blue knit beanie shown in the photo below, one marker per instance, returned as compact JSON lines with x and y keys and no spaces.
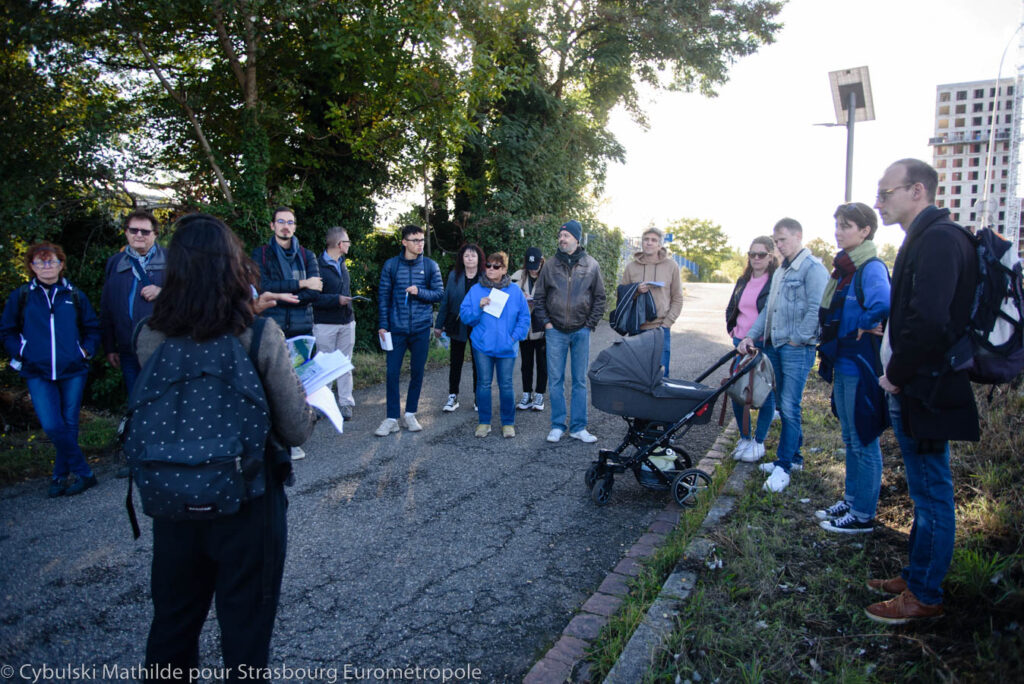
{"x":573,"y":227}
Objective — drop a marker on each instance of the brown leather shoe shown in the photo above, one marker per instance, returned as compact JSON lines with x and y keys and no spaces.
{"x":895,"y":585}
{"x":902,"y":609}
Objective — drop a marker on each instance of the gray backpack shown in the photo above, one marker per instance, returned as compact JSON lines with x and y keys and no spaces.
{"x":198,"y":424}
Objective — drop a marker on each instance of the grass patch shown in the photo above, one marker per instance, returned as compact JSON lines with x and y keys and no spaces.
{"x":371,"y":367}
{"x":27,"y":454}
{"x":788,"y":602}
{"x":645,"y":587}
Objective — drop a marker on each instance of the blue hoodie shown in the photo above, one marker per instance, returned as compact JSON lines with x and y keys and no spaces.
{"x":497,"y":337}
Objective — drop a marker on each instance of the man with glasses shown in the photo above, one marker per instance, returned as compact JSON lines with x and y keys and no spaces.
{"x":132,"y":281}
{"x":334,"y":323}
{"x":569,"y":299}
{"x":410,"y":283}
{"x":930,"y":403}
{"x":789,"y":325}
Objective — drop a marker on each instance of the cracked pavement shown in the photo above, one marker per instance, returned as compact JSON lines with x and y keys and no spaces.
{"x":429,"y":549}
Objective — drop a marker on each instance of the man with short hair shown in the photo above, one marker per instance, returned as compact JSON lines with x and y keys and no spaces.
{"x":410,"y":283}
{"x":287,"y":266}
{"x":334,"y":323}
{"x":789,"y":325}
{"x":652,"y":264}
{"x":133,"y":279}
{"x":569,"y":299}
{"x":933,"y":284}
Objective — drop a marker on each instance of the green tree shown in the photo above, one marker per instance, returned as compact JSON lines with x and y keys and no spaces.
{"x":700,"y":241}
{"x":823,"y":250}
{"x":887,"y":253}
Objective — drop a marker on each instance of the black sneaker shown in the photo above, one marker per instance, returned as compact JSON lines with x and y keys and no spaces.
{"x":836,"y":510}
{"x":847,"y":525}
{"x":57,"y":488}
{"x":80,"y":485}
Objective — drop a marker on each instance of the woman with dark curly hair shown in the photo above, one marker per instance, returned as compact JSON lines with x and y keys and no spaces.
{"x":236,"y":558}
{"x":50,"y":344}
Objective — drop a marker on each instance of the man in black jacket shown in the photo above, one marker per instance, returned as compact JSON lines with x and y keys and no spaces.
{"x":287,"y":266}
{"x":933,"y":284}
{"x":334,"y":323}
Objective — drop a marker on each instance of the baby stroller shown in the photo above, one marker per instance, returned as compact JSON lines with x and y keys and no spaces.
{"x":626,"y":379}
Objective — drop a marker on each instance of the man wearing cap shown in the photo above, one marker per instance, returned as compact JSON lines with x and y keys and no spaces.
{"x":569,"y":300}
{"x":533,"y":349}
{"x":658,"y":274}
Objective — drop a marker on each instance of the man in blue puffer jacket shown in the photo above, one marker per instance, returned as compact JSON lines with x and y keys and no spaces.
{"x":410,"y":283}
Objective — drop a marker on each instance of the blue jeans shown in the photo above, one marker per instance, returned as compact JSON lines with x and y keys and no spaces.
{"x":791,"y":365}
{"x":931,"y":537}
{"x":57,"y":404}
{"x":559,"y":346}
{"x":863,"y":461}
{"x":486,"y":367}
{"x":765,"y":414}
{"x":130,"y":370}
{"x":666,"y":350}
{"x":418,"y":345}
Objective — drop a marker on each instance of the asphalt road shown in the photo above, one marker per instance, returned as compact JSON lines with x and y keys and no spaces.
{"x":418,"y":550}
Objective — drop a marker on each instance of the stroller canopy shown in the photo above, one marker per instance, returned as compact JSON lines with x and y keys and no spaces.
{"x":633,"y":362}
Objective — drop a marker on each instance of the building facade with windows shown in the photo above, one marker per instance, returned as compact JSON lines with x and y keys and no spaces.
{"x":965,"y":116}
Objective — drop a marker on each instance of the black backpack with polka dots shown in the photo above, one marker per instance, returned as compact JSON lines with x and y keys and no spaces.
{"x":198,"y":424}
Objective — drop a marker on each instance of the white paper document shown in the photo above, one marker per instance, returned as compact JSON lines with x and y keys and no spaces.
{"x":497,"y":305}
{"x":323,"y":369}
{"x":385,"y":342}
{"x":324,"y":400}
{"x":654,"y":283}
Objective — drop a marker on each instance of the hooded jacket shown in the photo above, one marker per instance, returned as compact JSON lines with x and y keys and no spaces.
{"x":668,"y":300}
{"x":55,"y":335}
{"x":498,"y":337}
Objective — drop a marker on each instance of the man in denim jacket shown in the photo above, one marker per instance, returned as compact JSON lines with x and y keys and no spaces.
{"x":789,"y":324}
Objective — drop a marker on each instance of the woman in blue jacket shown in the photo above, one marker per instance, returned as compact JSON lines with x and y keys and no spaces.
{"x":50,"y":332}
{"x":495,"y":340}
{"x":853,"y":311}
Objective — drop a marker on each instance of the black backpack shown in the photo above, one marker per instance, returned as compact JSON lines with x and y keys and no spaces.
{"x":198,"y":424}
{"x":992,"y":348}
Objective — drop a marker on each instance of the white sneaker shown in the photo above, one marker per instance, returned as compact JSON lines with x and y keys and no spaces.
{"x":555,"y":435}
{"x":767,"y":468}
{"x":583,"y":436}
{"x":411,"y":424}
{"x":387,"y":426}
{"x":525,"y":402}
{"x":538,"y":402}
{"x":742,"y":448}
{"x":754,"y":454}
{"x":453,"y":403}
{"x":298,"y":454}
{"x":778,"y":481}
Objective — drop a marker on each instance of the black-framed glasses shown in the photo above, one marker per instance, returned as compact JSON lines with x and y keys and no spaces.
{"x":757,"y":255}
{"x":495,"y":266}
{"x":415,"y":241}
{"x":46,"y":263}
{"x":141,"y":231}
{"x":884,"y":195}
{"x":282,"y":222}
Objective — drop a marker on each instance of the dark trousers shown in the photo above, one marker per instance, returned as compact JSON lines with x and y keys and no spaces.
{"x":534,"y":352}
{"x":418,"y":344}
{"x":456,"y":361}
{"x":226,"y":560}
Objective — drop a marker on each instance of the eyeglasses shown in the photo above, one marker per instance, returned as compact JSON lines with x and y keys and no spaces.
{"x":415,"y":241}
{"x":140,"y":231}
{"x":495,"y":266}
{"x":757,"y":255}
{"x":46,"y":263}
{"x":883,"y":195}
{"x":282,"y":222}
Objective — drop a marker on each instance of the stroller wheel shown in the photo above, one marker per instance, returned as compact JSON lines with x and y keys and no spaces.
{"x":602,"y":491}
{"x":591,"y":476}
{"x":689,"y":485}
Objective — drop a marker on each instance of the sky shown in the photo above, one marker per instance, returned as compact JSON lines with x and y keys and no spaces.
{"x":753,"y":155}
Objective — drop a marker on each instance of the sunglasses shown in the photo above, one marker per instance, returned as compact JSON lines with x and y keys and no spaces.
{"x":141,"y":231}
{"x":757,"y":255}
{"x":495,"y":266}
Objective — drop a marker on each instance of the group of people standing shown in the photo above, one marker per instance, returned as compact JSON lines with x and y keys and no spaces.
{"x":545,"y":312}
{"x":884,"y":345}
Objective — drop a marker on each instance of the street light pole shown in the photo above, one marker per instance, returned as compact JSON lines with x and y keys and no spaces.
{"x":851,"y":111}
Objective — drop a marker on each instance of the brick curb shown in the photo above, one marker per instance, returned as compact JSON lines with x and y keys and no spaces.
{"x":564,"y":661}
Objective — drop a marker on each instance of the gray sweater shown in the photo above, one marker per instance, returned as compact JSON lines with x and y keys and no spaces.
{"x":291,"y":417}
